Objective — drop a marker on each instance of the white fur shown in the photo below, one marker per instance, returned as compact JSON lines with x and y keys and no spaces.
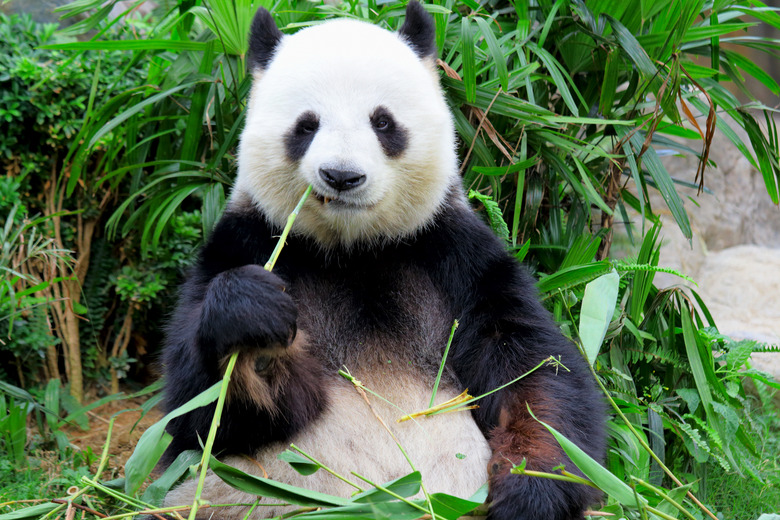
{"x":349,"y":437}
{"x":342,"y":70}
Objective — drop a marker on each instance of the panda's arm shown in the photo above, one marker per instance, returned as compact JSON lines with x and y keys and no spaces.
{"x":504,"y":333}
{"x":230,"y":303}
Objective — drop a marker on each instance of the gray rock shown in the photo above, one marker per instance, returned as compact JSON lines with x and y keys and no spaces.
{"x":734,"y":255}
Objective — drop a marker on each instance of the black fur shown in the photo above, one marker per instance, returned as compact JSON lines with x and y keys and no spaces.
{"x":298,"y":139}
{"x":264,"y":36}
{"x":392,"y":136}
{"x":504,"y":331}
{"x":419,"y":31}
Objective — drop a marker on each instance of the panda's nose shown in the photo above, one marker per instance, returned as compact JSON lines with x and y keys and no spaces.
{"x":342,"y":180}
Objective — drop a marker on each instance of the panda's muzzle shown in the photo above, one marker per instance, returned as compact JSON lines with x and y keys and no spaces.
{"x":342,"y":180}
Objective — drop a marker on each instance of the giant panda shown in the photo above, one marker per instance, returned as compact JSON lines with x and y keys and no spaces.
{"x":383,"y":257}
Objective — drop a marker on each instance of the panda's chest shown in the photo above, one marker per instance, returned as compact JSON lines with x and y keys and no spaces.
{"x":373,"y":316}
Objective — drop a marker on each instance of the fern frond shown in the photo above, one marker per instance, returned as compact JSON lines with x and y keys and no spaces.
{"x":628,"y":267}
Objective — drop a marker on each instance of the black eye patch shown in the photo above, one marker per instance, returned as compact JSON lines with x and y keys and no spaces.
{"x":298,"y":139}
{"x":392,"y":136}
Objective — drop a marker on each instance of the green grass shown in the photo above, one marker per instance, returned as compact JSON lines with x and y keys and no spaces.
{"x":45,"y":475}
{"x":737,"y":497}
{"x":740,"y":497}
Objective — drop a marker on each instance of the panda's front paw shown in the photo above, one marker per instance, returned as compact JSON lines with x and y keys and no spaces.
{"x":246,"y":308}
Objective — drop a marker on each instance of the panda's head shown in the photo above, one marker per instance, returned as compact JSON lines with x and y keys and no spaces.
{"x":357,"y":112}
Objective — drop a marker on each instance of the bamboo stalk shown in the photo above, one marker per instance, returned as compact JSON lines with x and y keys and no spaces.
{"x":204,"y":461}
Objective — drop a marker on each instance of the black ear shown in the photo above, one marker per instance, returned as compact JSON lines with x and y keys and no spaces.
{"x":419,"y":31}
{"x":264,"y":37}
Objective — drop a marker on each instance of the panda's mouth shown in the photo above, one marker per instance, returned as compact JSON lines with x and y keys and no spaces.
{"x":335,"y":202}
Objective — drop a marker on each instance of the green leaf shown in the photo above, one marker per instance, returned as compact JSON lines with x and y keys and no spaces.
{"x":156,"y":492}
{"x":133,"y":110}
{"x":590,"y":191}
{"x":557,"y":73}
{"x":598,"y":306}
{"x":131,"y":45}
{"x":155,"y":440}
{"x":395,"y":510}
{"x":78,"y":413}
{"x":467,"y":56}
{"x":754,"y":70}
{"x":632,"y":47}
{"x":52,"y":401}
{"x":506,"y":170}
{"x":609,"y":85}
{"x":36,"y":511}
{"x":665,"y":185}
{"x":268,"y":488}
{"x":299,"y":463}
{"x":572,"y":276}
{"x":452,"y":508}
{"x":405,"y":486}
{"x":700,"y":361}
{"x":194,"y":128}
{"x":597,"y":473}
{"x":495,"y":52}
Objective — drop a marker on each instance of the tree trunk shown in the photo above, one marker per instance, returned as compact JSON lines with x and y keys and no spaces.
{"x":68,"y":293}
{"x":121,"y":343}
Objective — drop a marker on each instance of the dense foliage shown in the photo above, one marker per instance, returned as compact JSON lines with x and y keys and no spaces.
{"x":562,"y":109}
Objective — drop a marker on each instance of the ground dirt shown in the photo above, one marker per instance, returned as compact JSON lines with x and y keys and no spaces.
{"x":128,"y":428}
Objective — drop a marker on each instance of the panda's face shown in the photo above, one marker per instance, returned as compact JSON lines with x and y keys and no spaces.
{"x":354,"y":111}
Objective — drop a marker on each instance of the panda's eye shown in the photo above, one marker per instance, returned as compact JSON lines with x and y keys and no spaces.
{"x":390,"y":133}
{"x":381,"y":124}
{"x":307,"y":127}
{"x":307,"y":124}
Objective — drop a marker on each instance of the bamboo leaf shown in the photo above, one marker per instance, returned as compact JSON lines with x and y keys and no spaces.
{"x":506,"y":170}
{"x":664,"y":184}
{"x":556,"y":71}
{"x":572,"y":276}
{"x":264,"y":487}
{"x":299,"y":463}
{"x":157,"y":490}
{"x":632,"y":47}
{"x":135,"y":109}
{"x":495,"y":52}
{"x":751,"y":68}
{"x":132,"y":45}
{"x":467,"y":57}
{"x":36,"y":511}
{"x":155,"y":440}
{"x":194,"y":128}
{"x":406,"y":486}
{"x":609,"y":85}
{"x":452,"y":508}
{"x":589,"y":190}
{"x":597,"y":473}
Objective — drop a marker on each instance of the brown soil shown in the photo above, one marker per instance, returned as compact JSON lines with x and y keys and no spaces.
{"x":128,"y":427}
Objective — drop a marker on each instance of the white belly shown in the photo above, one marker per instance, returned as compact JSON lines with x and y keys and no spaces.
{"x":448,"y":449}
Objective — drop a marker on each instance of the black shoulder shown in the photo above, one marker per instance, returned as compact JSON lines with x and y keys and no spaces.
{"x":242,"y":236}
{"x":458,"y":249}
